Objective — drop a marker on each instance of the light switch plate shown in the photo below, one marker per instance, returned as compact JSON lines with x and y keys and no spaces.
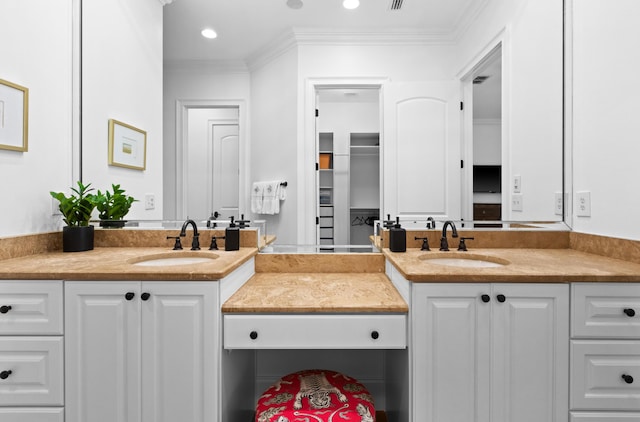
{"x":583,"y":204}
{"x":517,"y":184}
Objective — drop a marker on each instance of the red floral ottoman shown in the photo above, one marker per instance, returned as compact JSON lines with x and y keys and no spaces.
{"x":316,"y":396}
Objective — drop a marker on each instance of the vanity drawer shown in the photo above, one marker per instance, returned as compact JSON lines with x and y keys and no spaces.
{"x":604,"y":417}
{"x":606,"y":310}
{"x":31,"y":371}
{"x":30,"y":307}
{"x":598,"y":372}
{"x":37,"y":414}
{"x":272,"y":331}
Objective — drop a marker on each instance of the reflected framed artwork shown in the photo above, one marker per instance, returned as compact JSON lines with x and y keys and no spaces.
{"x":14,"y":116}
{"x":127,"y":146}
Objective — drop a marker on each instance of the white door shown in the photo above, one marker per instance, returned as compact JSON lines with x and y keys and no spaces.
{"x":102,"y":351}
{"x":225,"y":175}
{"x":530,"y":353}
{"x":451,"y":346}
{"x":422,"y":150}
{"x":180,"y":352}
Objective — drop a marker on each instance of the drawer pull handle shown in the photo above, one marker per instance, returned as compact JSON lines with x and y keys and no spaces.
{"x":375,"y":335}
{"x":629,"y":312}
{"x":501,"y":298}
{"x":253,"y":335}
{"x":485,"y":298}
{"x":4,"y":309}
{"x":145,"y":296}
{"x":5,"y":374}
{"x":129,"y":295}
{"x":627,"y":378}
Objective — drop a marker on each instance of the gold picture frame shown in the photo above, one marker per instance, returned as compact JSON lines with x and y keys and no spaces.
{"x":14,"y":116}
{"x":127,"y":146}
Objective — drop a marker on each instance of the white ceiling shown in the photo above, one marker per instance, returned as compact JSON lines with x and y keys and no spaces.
{"x":245,"y":27}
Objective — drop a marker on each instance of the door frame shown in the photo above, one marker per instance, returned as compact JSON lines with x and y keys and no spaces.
{"x":182,"y":109}
{"x":498,"y":45}
{"x":308,"y":204}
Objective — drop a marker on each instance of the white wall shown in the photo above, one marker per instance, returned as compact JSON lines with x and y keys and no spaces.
{"x":122,"y":80}
{"x":606,"y":150}
{"x":36,"y":52}
{"x":275,"y":142}
{"x":532,"y":109}
{"x":194,"y":81}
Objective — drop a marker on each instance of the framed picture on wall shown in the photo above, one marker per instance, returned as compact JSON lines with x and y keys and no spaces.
{"x":127,"y":146}
{"x":14,"y":116}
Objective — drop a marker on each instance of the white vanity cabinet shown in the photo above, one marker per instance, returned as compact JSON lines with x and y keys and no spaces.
{"x":490,"y":352}
{"x":31,"y":351}
{"x":141,"y":351}
{"x":605,"y":352}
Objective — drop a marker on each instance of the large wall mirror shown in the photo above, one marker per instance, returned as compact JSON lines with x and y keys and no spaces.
{"x":502,"y":58}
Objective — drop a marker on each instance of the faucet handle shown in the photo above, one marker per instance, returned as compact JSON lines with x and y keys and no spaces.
{"x":177,"y":245}
{"x":425,"y":243}
{"x":462,"y":246}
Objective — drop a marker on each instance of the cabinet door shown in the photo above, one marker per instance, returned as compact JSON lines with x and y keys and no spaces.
{"x":530,"y":352}
{"x":180,"y":351}
{"x":451,"y":352}
{"x":102,"y":356}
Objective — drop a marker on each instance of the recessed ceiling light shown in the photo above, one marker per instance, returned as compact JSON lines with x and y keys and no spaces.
{"x":209,"y":33}
{"x":351,"y":4}
{"x":294,"y":4}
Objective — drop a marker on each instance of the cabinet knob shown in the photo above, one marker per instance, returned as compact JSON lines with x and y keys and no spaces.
{"x":4,"y":309}
{"x":629,"y":312}
{"x":485,"y":298}
{"x":129,"y":295}
{"x":375,"y":335}
{"x":627,"y":378}
{"x":501,"y":298}
{"x":253,"y":335}
{"x":5,"y":374}
{"x":145,"y":296}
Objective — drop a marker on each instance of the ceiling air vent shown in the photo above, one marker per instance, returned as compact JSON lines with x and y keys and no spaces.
{"x":480,"y":79}
{"x":396,"y":4}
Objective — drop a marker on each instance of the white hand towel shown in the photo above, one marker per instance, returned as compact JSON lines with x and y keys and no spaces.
{"x":270,"y":202}
{"x":282,"y":191}
{"x":257,"y":192}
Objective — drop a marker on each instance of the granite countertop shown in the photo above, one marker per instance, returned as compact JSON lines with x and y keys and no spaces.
{"x":316,"y":293}
{"x":118,"y":264}
{"x":522,"y":265}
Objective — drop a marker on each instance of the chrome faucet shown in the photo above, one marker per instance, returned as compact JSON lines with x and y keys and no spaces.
{"x":444,"y":245}
{"x":195,"y":243}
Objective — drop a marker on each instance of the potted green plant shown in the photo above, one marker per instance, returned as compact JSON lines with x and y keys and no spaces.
{"x":113,"y":206}
{"x":76,"y":211}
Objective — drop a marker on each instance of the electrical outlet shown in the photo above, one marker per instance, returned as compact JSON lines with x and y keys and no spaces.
{"x":516,"y":202}
{"x":558,"y":203}
{"x":149,"y":201}
{"x":583,"y":204}
{"x":517,"y":184}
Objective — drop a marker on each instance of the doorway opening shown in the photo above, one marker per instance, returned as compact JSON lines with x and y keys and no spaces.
{"x":210,"y":144}
{"x":483,"y":132}
{"x":348,"y":156}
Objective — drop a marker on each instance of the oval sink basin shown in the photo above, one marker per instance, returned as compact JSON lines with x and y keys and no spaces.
{"x":173,"y":259}
{"x":464,"y":260}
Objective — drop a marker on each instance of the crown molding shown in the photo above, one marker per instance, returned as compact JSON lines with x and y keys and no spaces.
{"x":331,"y":36}
{"x":165,"y":2}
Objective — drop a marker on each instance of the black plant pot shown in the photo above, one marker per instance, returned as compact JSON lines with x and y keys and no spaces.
{"x":77,"y":239}
{"x":112,"y":224}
